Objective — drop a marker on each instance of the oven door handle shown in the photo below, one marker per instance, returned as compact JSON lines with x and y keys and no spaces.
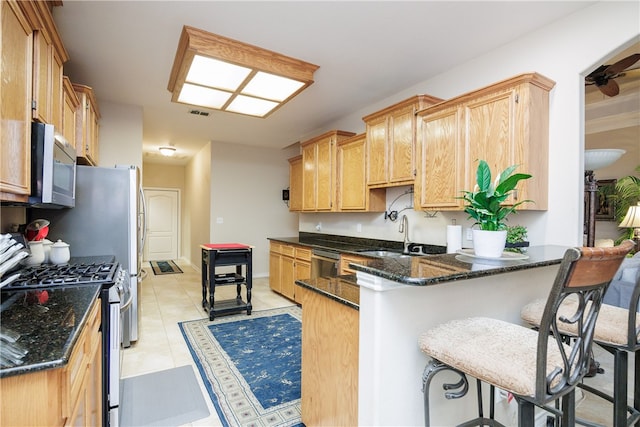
{"x":124,"y":307}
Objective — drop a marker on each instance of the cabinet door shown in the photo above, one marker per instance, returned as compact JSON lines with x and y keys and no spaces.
{"x":287,"y":276}
{"x":401,"y":149}
{"x":295,"y":183}
{"x":70,"y":106}
{"x":325,"y":188}
{"x":352,"y":188}
{"x":309,"y":172}
{"x":441,"y":159}
{"x":489,"y":123}
{"x":56,"y":92}
{"x":15,"y":116}
{"x":274,"y":271}
{"x":302,"y":272}
{"x":377,"y":172}
{"x":42,"y":69}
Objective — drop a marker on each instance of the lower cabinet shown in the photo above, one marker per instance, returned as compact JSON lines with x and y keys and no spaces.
{"x":346,"y":259}
{"x":330,"y":345}
{"x":288,"y":263}
{"x":66,"y":396}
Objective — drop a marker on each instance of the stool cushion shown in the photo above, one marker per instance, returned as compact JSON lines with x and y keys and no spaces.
{"x":611,"y":327}
{"x":491,"y":350}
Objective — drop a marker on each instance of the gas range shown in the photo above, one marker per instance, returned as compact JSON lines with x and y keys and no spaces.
{"x":78,"y":271}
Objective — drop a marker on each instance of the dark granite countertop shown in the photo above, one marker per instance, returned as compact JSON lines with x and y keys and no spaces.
{"x":434,"y":269}
{"x":48,"y":330}
{"x":342,"y":289}
{"x":347,"y":244}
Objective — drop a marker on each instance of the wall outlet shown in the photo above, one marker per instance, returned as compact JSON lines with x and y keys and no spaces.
{"x":319,"y":226}
{"x":219,"y":220}
{"x":469,"y":234}
{"x":359,"y":228}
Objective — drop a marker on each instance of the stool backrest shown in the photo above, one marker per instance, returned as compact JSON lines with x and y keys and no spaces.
{"x":585,"y":274}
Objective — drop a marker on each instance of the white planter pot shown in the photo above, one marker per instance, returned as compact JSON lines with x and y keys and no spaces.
{"x":489,"y":244}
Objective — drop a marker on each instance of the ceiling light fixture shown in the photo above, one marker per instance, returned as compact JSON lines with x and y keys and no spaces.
{"x":167,"y":151}
{"x":224,"y":74}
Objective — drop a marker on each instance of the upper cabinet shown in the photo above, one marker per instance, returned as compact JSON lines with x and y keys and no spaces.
{"x":391,"y":136}
{"x":15,"y":116}
{"x":49,"y":55}
{"x":319,"y":171}
{"x":295,"y":183}
{"x":69,"y":111}
{"x":353,"y":193}
{"x":505,"y":124}
{"x":87,"y":130}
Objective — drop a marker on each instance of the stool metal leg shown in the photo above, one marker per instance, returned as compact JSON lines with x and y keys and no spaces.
{"x":432,"y":368}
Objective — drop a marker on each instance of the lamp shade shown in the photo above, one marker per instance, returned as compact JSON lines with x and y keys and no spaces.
{"x":632,"y":218}
{"x":601,"y":158}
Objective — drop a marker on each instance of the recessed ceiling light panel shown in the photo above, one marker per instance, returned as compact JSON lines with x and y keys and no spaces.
{"x":251,"y":106}
{"x":216,"y":74}
{"x":214,"y":65}
{"x":269,"y":86}
{"x":203,"y":96}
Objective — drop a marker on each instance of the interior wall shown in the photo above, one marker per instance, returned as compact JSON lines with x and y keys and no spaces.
{"x":197,"y":205}
{"x":557,"y":51}
{"x":163,"y":176}
{"x":246,"y":199}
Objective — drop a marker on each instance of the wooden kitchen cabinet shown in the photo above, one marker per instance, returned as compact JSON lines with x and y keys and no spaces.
{"x":70,"y":395}
{"x":295,"y":183}
{"x":441,"y":169}
{"x":346,"y":259}
{"x":319,"y":171}
{"x":69,"y":111}
{"x":288,"y":263}
{"x":506,"y":124}
{"x":391,"y":140}
{"x":330,"y":363}
{"x":15,"y":116}
{"x":87,"y":128}
{"x":49,"y":56}
{"x":353,"y":193}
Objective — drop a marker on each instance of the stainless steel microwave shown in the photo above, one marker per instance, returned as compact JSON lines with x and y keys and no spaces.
{"x":53,"y":169}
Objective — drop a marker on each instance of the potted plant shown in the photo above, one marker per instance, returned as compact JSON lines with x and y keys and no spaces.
{"x":516,"y":236}
{"x":484,"y":206}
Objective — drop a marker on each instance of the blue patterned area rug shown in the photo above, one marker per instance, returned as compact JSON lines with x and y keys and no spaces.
{"x":250,"y":365}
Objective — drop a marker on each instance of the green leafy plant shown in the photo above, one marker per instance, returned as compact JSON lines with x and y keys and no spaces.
{"x":626,"y":194}
{"x":516,"y":233}
{"x":484,"y":203}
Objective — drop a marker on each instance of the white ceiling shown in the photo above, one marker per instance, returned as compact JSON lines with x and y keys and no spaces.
{"x":366,"y":50}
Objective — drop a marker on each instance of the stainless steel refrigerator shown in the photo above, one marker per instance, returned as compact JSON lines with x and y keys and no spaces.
{"x":108,"y":219}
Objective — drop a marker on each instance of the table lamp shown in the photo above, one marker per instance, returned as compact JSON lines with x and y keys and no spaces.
{"x":632,"y":220}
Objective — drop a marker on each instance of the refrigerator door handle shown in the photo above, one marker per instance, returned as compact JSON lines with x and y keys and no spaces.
{"x":143,"y":229}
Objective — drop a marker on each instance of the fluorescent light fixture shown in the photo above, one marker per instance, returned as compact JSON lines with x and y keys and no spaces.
{"x":167,"y":151}
{"x":224,"y":74}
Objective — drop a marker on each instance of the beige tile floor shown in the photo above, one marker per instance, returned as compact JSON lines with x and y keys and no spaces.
{"x":168,"y":299}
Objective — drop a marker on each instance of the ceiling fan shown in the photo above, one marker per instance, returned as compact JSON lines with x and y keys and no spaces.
{"x":603,"y":76}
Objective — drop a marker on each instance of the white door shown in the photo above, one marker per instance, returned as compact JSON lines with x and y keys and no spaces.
{"x":162,"y":225}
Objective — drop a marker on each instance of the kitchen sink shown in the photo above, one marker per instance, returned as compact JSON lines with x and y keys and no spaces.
{"x":383,"y":254}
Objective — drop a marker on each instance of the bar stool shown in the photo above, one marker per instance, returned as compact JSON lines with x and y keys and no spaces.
{"x":536,"y":367}
{"x":618,"y":332}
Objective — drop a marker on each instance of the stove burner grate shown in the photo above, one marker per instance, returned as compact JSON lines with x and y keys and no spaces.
{"x":65,"y":274}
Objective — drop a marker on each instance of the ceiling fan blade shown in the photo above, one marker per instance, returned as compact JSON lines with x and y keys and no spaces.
{"x":623,"y":64}
{"x":611,"y":88}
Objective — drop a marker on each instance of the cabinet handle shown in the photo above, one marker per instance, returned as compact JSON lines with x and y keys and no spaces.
{"x":517,"y":98}
{"x":515,"y":194}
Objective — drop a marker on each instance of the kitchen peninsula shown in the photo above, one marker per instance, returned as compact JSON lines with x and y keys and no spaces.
{"x":401,"y":297}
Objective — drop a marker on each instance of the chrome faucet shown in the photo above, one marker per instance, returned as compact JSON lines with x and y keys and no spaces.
{"x":404,"y":228}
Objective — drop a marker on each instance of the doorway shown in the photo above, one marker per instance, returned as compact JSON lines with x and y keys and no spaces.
{"x":163,"y":221}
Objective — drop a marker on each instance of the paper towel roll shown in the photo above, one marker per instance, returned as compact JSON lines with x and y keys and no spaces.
{"x":454,"y":238}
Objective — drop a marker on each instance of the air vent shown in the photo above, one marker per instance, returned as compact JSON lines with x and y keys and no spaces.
{"x":199,"y":113}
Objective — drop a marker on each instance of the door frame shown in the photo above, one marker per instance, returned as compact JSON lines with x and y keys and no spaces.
{"x":178,"y":218}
